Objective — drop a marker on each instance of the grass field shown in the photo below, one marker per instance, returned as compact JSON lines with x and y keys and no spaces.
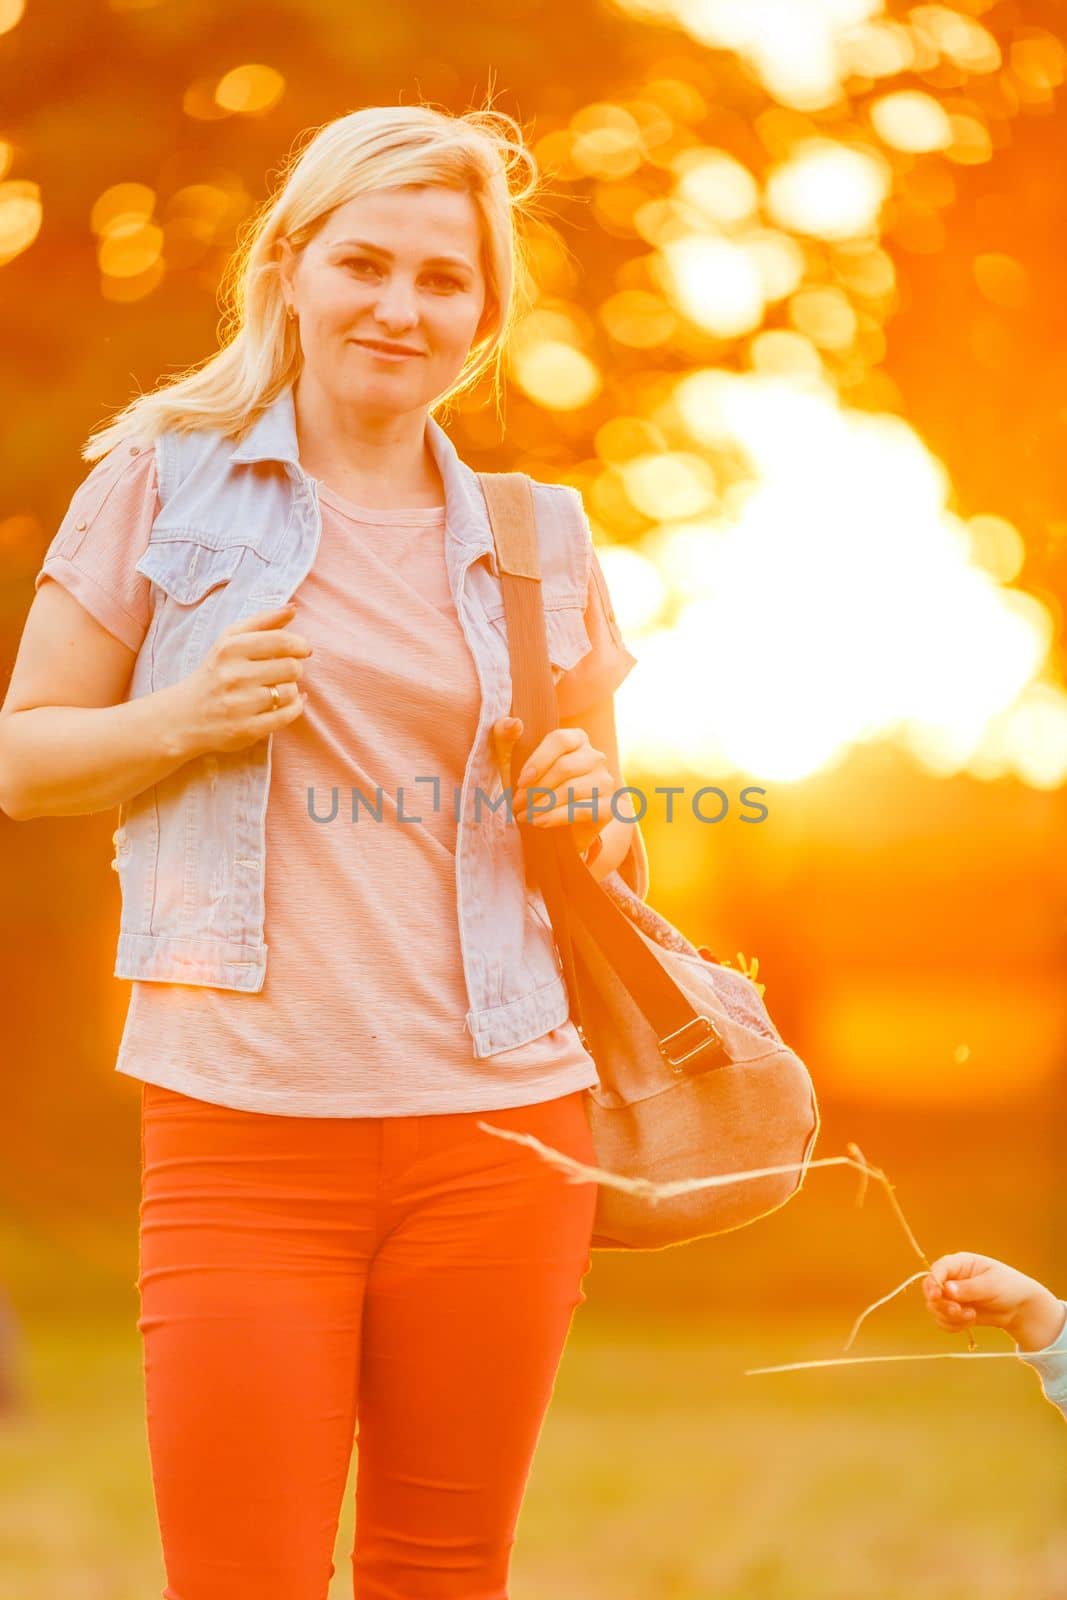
{"x":662,"y":1474}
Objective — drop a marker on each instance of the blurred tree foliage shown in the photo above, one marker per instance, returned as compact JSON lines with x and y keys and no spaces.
{"x":101,"y":100}
{"x":95,"y":95}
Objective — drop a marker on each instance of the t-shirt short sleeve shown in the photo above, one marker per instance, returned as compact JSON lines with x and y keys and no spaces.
{"x":602,"y":669}
{"x":102,"y":537}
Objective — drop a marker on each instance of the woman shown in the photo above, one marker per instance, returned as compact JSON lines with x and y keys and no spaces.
{"x":278,"y":588}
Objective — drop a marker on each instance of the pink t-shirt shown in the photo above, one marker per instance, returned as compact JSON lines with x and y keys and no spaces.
{"x":363,"y":1006}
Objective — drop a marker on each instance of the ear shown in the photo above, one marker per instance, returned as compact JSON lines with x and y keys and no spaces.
{"x":286,"y":256}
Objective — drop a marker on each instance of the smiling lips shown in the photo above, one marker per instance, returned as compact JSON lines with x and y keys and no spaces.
{"x":386,"y":352}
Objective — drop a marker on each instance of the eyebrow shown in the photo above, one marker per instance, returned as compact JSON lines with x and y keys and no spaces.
{"x":376,"y":249}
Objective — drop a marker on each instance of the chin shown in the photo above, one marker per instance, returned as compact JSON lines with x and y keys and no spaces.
{"x":390,"y":391}
{"x":394,"y":396}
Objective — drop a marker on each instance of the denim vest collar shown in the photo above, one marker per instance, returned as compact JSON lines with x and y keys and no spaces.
{"x":273,"y":437}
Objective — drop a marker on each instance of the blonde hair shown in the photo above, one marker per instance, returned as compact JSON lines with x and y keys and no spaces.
{"x":480,"y":152}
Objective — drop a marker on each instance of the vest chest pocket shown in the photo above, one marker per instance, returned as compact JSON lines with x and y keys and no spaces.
{"x":568,"y":638}
{"x":187,"y":570}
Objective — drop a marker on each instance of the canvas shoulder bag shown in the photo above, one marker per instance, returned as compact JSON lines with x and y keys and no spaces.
{"x":695,"y":1081}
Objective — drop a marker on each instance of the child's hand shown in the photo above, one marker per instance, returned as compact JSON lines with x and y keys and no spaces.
{"x":964,"y":1289}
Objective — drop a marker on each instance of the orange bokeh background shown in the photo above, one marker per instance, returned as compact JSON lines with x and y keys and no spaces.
{"x":799,"y":340}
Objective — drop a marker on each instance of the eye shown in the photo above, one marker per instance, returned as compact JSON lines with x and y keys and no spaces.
{"x":437,"y":277}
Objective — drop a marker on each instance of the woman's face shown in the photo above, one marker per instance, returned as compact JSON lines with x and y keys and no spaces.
{"x":397,"y":266}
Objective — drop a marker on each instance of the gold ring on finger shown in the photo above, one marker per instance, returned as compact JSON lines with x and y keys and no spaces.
{"x":275,"y":697}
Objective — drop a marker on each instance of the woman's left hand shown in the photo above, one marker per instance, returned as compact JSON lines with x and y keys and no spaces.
{"x":566,"y":763}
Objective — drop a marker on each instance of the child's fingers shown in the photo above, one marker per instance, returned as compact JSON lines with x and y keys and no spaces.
{"x":934,"y":1292}
{"x":949,"y":1314}
{"x":953,"y":1324}
{"x":968,"y":1278}
{"x":968,"y":1291}
{"x":940,"y":1303}
{"x":957,"y":1264}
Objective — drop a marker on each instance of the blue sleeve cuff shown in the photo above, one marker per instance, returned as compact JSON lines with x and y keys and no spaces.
{"x":1051,"y":1366}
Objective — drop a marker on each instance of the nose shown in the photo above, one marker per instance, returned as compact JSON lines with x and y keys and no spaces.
{"x":396,"y":309}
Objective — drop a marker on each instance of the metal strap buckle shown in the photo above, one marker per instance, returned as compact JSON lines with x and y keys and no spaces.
{"x":707,"y":1029}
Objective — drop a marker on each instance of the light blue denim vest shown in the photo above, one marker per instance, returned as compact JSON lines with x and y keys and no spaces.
{"x":237,"y":533}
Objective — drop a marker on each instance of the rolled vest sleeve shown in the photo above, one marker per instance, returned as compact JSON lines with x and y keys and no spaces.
{"x":603,"y":668}
{"x":102,"y":536}
{"x":595,"y":678}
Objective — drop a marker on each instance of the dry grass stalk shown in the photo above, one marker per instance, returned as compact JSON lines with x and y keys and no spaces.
{"x":863,"y":1361}
{"x":581,"y":1172}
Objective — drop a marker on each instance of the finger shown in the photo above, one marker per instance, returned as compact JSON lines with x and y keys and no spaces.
{"x":560,"y":742}
{"x":942,"y":1321}
{"x":506,"y":733}
{"x":275,"y":617}
{"x":579,"y":776}
{"x":264,"y":646}
{"x":280,"y":669}
{"x":539,"y":801}
{"x":584,"y":767}
{"x":969,"y":1290}
{"x":287,"y":693}
{"x":935,"y":1292}
{"x":957,"y":1313}
{"x":966,"y":1276}
{"x":559,"y":816}
{"x":956,"y":1264}
{"x":293,"y":705}
{"x":949,"y":1325}
{"x":951,"y":1311}
{"x":535,"y":763}
{"x":571,"y":801}
{"x":954,"y":1268}
{"x":554,"y":818}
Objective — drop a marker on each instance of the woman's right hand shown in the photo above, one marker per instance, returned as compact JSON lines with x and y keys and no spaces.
{"x":226,"y":703}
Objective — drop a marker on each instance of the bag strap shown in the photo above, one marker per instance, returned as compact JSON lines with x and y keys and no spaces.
{"x":569,"y":888}
{"x":509,"y":499}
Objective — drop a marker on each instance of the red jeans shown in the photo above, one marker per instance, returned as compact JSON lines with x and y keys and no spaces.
{"x":300,"y":1276}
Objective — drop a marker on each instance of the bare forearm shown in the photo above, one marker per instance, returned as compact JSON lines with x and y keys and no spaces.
{"x":68,"y":761}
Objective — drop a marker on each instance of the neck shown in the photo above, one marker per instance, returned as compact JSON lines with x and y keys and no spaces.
{"x":373,"y":458}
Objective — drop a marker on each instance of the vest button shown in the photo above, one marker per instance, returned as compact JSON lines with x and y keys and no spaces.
{"x":81,"y":526}
{"x":135,"y":449}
